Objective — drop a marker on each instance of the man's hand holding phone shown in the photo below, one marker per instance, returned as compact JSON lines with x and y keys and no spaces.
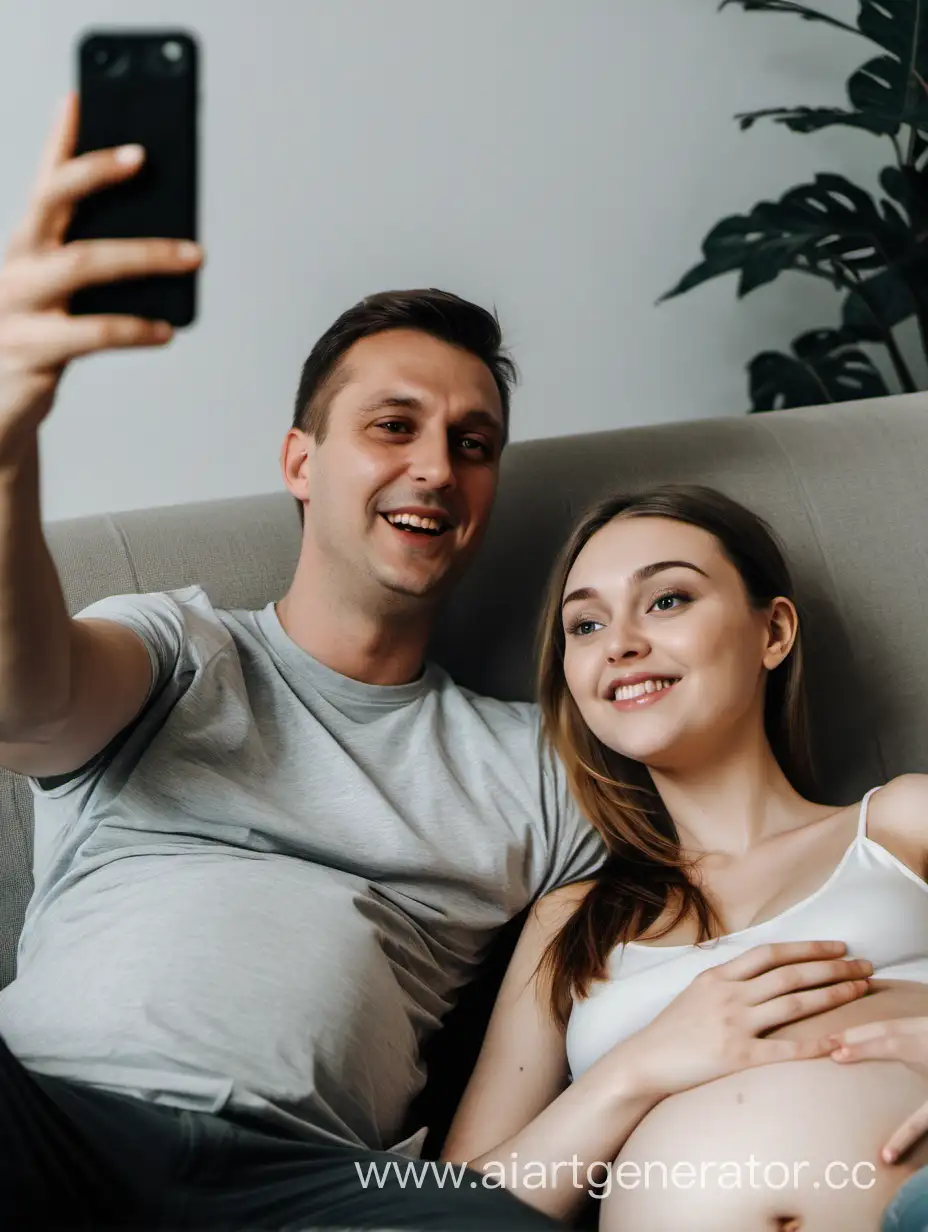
{"x":41,"y":271}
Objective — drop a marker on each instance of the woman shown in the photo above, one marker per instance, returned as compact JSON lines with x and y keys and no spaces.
{"x":671,"y":686}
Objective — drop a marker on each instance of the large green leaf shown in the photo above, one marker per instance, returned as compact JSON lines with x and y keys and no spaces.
{"x":885,"y":93}
{"x":882,"y":92}
{"x":899,"y":27}
{"x":909,"y":186}
{"x":831,"y":223}
{"x":883,"y":302}
{"x":823,"y":368}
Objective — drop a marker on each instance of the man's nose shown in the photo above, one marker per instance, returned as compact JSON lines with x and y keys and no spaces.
{"x":430,"y":464}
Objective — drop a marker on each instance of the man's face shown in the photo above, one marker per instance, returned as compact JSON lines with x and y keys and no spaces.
{"x":398,"y":494}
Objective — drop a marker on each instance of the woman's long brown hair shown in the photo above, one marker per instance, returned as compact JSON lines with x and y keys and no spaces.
{"x":645,"y":872}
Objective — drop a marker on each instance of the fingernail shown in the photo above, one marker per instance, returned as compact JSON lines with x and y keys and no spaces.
{"x":163,"y":329}
{"x":188,"y":251}
{"x":889,"y":1157}
{"x":128,"y":154}
{"x":841,"y":1054}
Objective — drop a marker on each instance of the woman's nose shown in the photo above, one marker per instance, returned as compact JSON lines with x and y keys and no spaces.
{"x":626,"y":642}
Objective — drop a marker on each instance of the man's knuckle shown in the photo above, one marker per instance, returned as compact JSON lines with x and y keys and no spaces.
{"x":12,"y":333}
{"x":99,"y":333}
{"x":77,"y":258}
{"x":12,"y":277}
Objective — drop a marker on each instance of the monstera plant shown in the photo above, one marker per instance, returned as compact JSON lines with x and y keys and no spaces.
{"x":875,"y":253}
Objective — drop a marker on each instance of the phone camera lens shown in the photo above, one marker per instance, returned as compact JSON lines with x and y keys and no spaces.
{"x":110,"y":61}
{"x":172,"y":57}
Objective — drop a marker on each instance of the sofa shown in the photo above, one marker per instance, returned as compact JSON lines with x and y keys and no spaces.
{"x":845,"y":486}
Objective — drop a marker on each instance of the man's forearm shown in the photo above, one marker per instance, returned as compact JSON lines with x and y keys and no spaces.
{"x":35,"y":629}
{"x":550,"y":1163}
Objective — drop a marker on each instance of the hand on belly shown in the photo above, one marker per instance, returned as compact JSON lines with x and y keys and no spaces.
{"x":795,"y":1141}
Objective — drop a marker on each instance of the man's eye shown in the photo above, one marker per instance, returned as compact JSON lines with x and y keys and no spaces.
{"x":393,"y":426}
{"x":473,"y":444}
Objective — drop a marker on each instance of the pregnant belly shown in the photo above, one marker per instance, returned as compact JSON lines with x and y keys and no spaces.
{"x":779,"y":1148}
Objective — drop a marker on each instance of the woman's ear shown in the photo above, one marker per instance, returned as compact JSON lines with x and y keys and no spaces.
{"x":782,"y":627}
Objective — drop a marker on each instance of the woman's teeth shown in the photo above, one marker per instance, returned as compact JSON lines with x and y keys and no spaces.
{"x":626,"y":693}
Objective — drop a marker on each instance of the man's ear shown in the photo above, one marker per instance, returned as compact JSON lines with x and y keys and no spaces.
{"x":782,"y":628}
{"x":295,"y":454}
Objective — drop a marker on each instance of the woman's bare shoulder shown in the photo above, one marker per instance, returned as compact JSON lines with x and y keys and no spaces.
{"x":900,"y":808}
{"x":907,"y":793}
{"x":554,"y":910}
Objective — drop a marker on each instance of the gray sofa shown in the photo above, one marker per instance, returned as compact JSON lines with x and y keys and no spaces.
{"x":845,"y":486}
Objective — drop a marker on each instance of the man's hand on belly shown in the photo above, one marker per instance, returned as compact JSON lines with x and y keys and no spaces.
{"x":898,"y":1039}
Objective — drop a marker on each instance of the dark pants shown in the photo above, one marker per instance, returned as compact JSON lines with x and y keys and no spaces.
{"x":74,"y":1157}
{"x":908,"y":1211}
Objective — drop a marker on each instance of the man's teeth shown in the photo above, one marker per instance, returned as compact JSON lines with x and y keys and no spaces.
{"x":413,"y":519}
{"x":625,"y":693}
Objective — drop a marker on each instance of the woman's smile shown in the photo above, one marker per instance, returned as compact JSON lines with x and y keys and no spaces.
{"x":642,"y":690}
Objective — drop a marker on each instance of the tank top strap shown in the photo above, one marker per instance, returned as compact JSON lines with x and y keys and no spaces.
{"x":864,"y":807}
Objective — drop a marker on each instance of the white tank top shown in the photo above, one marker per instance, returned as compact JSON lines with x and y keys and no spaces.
{"x":872,"y":902}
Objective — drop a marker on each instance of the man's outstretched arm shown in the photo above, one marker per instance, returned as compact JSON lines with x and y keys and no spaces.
{"x":66,"y":686}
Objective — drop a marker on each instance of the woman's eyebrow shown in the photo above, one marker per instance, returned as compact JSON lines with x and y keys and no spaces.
{"x":648,"y":571}
{"x":640,"y":575}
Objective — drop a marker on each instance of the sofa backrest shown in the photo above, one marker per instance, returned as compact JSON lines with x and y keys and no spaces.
{"x":844,"y":486}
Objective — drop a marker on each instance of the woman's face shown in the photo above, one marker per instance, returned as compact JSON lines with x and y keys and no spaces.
{"x":664,"y":655}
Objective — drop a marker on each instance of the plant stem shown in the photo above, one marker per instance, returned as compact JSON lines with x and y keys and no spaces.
{"x":790,"y":6}
{"x":843,"y":277}
{"x":821,"y":384}
{"x":906,"y":380}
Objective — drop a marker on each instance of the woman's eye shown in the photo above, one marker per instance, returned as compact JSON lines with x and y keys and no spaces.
{"x":670,"y":601}
{"x":392,"y":424}
{"x":582,"y":628}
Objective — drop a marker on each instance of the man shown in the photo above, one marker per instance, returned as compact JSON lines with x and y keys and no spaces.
{"x":283,"y":839}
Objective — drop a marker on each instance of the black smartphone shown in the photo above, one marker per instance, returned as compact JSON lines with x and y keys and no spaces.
{"x":141,"y":86}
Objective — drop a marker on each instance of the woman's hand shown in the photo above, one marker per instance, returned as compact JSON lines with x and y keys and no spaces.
{"x":715,"y":1026}
{"x":898,"y":1039}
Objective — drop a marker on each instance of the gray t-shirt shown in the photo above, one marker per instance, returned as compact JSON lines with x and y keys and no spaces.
{"x":264,"y":894}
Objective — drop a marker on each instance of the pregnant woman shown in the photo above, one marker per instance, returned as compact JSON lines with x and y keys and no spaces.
{"x":675,"y":1018}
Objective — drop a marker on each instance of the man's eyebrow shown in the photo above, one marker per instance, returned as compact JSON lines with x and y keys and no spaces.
{"x":484,"y":418}
{"x":409,"y":402}
{"x":640,"y":575}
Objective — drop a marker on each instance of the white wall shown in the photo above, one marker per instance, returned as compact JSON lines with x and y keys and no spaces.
{"x":561,"y":159}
